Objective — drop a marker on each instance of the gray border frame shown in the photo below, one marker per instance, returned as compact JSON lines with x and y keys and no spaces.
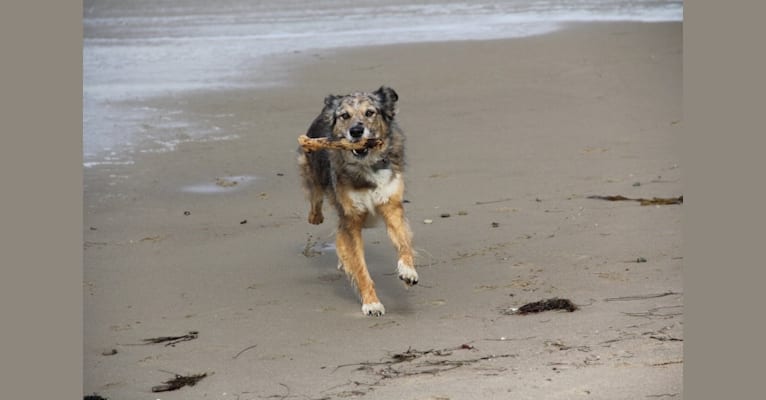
{"x":41,"y":206}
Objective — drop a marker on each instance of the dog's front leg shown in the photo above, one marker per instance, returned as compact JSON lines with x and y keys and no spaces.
{"x":312,"y":182}
{"x":401,"y":236}
{"x":350,"y":250}
{"x":316,"y":197}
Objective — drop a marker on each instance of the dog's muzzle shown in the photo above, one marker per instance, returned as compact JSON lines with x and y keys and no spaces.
{"x":357,"y":132}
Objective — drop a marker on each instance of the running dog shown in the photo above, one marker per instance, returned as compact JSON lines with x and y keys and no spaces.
{"x":363,"y":185}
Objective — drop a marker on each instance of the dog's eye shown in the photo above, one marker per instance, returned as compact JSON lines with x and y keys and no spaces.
{"x":345,"y":115}
{"x":369,"y":113}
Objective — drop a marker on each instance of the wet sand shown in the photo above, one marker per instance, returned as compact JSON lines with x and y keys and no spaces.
{"x":508,"y":137}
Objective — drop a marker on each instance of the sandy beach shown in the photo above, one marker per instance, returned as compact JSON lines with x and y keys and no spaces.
{"x":507,"y":139}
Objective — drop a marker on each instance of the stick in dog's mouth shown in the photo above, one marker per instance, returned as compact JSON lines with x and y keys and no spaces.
{"x":359,"y":148}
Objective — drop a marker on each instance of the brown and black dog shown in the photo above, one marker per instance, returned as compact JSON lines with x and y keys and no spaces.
{"x":363,"y":185}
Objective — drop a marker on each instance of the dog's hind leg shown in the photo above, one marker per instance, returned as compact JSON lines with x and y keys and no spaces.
{"x":401,"y":236}
{"x":350,"y":250}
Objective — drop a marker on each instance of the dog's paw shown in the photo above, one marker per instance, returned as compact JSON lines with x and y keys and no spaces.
{"x":316,"y":218}
{"x":373,"y":309}
{"x":407,"y":274}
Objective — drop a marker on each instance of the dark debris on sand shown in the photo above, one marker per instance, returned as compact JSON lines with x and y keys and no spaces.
{"x":178,"y":382}
{"x":543,"y":305}
{"x":654,"y":201}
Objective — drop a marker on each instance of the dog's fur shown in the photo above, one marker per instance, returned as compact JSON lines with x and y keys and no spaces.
{"x":362,"y":185}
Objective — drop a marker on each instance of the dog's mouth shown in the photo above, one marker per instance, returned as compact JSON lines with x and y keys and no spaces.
{"x":369,"y":145}
{"x":361,"y":153}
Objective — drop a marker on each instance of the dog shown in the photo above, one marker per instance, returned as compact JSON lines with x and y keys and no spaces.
{"x":363,"y":185}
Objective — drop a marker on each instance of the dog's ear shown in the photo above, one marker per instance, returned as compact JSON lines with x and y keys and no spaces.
{"x":388,"y":99}
{"x":332,"y":101}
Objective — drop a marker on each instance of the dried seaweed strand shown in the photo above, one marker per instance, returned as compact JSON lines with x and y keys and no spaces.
{"x":644,"y":297}
{"x":654,"y":313}
{"x":178,"y":382}
{"x":666,"y":338}
{"x":172,"y":340}
{"x":409,"y":355}
{"x":244,"y":350}
{"x":654,"y":201}
{"x":440,"y":366}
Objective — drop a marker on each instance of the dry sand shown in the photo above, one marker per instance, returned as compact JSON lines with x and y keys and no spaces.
{"x":513,"y":132}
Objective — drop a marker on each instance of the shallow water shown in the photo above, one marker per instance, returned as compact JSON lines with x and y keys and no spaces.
{"x":138,"y":49}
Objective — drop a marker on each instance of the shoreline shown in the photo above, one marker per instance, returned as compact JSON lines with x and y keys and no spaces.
{"x":281,"y":67}
{"x":515,"y":132}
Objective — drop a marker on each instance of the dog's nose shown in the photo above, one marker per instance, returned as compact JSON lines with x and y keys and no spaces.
{"x":357,"y":131}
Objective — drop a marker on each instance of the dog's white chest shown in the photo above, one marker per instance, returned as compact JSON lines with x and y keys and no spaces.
{"x":387,"y":185}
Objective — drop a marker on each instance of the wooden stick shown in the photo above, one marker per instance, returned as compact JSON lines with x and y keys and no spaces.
{"x":314,"y":144}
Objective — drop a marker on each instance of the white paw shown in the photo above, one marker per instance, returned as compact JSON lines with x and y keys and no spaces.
{"x":407,"y":273}
{"x":373,"y":309}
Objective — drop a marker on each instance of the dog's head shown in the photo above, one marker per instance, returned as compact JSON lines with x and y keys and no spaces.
{"x":362,"y":115}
